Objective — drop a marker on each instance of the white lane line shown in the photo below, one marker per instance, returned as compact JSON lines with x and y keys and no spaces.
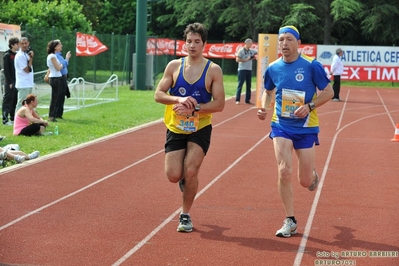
{"x":343,"y":111}
{"x":386,"y":109}
{"x":102,"y":179}
{"x":76,"y":192}
{"x":162,"y":225}
{"x":302,"y":245}
{"x":77,"y":147}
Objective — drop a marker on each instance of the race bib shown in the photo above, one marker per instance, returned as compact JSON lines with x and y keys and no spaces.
{"x":188,"y":123}
{"x":291,"y":100}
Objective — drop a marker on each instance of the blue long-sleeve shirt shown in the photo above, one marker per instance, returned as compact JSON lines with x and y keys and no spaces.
{"x":64,"y":62}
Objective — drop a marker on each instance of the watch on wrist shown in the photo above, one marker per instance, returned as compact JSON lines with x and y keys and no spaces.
{"x":312,"y":106}
{"x":197,"y":108}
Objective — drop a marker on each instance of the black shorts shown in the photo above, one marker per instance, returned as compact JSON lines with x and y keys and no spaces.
{"x":176,"y":142}
{"x":31,"y":130}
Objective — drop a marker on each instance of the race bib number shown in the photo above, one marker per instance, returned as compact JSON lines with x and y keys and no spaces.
{"x":291,"y":100}
{"x":188,"y":123}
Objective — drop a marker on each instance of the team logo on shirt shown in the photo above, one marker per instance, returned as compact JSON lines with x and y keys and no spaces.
{"x":182,"y":91}
{"x":299,"y":77}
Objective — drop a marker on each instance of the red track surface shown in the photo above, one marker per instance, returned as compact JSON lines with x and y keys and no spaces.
{"x":109,"y":202}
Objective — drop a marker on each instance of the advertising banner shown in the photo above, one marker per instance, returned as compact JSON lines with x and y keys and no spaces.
{"x":164,"y":46}
{"x":88,"y":45}
{"x":363,"y":63}
{"x":267,"y":53}
{"x":8,"y":31}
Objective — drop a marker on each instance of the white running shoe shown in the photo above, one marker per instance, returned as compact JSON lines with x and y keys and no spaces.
{"x":34,"y":155}
{"x":288,"y":229}
{"x":185,"y":223}
{"x":19,"y":158}
{"x":3,"y":155}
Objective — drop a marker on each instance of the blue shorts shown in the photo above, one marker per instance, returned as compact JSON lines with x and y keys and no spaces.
{"x":300,"y":141}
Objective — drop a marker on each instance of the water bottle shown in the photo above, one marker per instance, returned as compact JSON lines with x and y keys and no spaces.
{"x":56,"y":130}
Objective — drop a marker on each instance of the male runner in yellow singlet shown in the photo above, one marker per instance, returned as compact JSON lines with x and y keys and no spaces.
{"x":192,"y":89}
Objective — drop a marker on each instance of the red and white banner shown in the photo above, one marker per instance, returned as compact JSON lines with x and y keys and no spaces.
{"x":164,"y":46}
{"x":361,"y":63}
{"x":368,"y":73}
{"x":88,"y":45}
{"x":306,"y":49}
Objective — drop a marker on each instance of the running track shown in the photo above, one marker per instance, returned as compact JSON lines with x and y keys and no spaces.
{"x":108,"y":202}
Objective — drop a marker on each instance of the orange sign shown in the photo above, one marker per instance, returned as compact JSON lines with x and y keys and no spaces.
{"x":267,"y":53}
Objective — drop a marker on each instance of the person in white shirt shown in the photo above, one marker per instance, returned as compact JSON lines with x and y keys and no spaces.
{"x":244,"y":59}
{"x":336,"y":70}
{"x":55,"y":75}
{"x":23,"y":71}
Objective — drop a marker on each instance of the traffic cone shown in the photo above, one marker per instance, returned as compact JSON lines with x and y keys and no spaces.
{"x":396,"y":136}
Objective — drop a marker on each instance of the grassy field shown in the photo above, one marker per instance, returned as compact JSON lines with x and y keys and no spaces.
{"x":132,"y":109}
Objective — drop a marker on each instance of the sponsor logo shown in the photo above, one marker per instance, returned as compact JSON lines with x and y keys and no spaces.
{"x":326,"y":55}
{"x":307,"y":50}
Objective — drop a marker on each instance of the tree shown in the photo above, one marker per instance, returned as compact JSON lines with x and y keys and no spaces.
{"x":124,"y":11}
{"x":379,"y":24}
{"x":304,"y":18}
{"x":64,"y":14}
{"x":91,"y":10}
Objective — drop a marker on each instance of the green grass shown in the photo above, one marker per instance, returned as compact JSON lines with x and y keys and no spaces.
{"x":132,"y":109}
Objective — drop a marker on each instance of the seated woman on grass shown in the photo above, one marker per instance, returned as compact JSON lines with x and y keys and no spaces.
{"x":27,"y":122}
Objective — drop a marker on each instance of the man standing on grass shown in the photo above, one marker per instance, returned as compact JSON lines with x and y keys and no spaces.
{"x":192,"y":89}
{"x":24,"y":71}
{"x":10,"y":92}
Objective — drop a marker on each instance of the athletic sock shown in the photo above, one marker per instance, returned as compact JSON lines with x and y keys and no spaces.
{"x":292,"y":218}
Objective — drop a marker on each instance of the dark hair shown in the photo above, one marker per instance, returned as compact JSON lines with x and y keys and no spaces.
{"x":196,"y":28}
{"x":30,"y":98}
{"x":51,"y":46}
{"x":12,"y":41}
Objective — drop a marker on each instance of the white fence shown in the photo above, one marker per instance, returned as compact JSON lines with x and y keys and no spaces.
{"x":83,"y":93}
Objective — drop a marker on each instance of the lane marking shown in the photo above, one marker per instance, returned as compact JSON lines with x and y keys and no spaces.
{"x":76,"y":192}
{"x":104,"y":178}
{"x":305,"y":236}
{"x":386,"y":109}
{"x":77,"y":147}
{"x":343,"y":111}
{"x":162,"y":225}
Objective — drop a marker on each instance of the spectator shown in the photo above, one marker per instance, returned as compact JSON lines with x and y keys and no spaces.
{"x":17,"y":155}
{"x":10,"y":92}
{"x":23,"y":71}
{"x":337,"y":68}
{"x":55,"y":75}
{"x":27,"y":121}
{"x":64,"y":90}
{"x":244,"y":58}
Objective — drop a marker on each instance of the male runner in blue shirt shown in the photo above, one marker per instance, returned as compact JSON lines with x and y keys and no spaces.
{"x":293,"y":82}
